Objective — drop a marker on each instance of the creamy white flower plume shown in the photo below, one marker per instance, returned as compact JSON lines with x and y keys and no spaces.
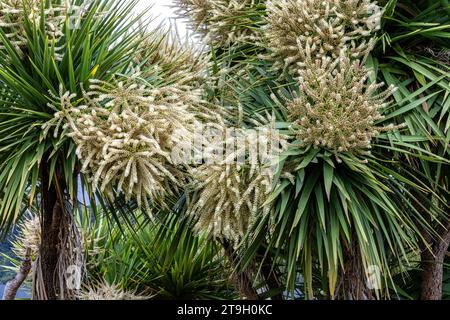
{"x":102,"y":290}
{"x":13,"y":14}
{"x":337,"y":108}
{"x":300,"y":29}
{"x":233,"y":185}
{"x":163,"y":54}
{"x":224,"y":22}
{"x":125,"y":133}
{"x":28,"y":240}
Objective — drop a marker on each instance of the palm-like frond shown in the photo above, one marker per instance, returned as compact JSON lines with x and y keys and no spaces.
{"x":31,"y":79}
{"x":376,"y":210}
{"x":333,"y":205}
{"x":162,"y":259}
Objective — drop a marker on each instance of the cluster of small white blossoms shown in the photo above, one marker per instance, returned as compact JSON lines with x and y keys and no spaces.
{"x":28,"y":239}
{"x":325,"y":43}
{"x":233,"y":189}
{"x":336,"y":108}
{"x":124,"y":135}
{"x":197,"y":12}
{"x":223,"y":22}
{"x":297,"y":29}
{"x":174,"y":61}
{"x":102,"y":290}
{"x":14,"y":12}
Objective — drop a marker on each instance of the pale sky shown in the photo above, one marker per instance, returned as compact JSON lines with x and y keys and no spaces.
{"x":163,"y":12}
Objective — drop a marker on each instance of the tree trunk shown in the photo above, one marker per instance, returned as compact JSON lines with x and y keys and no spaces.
{"x":353,"y":284}
{"x":51,"y":215}
{"x":13,"y":285}
{"x":432,"y":263}
{"x":242,"y":279}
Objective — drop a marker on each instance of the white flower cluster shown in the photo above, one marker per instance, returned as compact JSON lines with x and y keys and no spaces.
{"x":336,"y":108}
{"x":224,"y":22}
{"x":125,"y":133}
{"x":28,"y":239}
{"x":324,"y":43}
{"x":14,"y":12}
{"x":231,"y":194}
{"x":196,"y":11}
{"x":102,"y":290}
{"x":172,"y":60}
{"x":297,"y":29}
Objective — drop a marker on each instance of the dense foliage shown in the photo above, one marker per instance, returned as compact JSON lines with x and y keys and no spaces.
{"x":303,"y":153}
